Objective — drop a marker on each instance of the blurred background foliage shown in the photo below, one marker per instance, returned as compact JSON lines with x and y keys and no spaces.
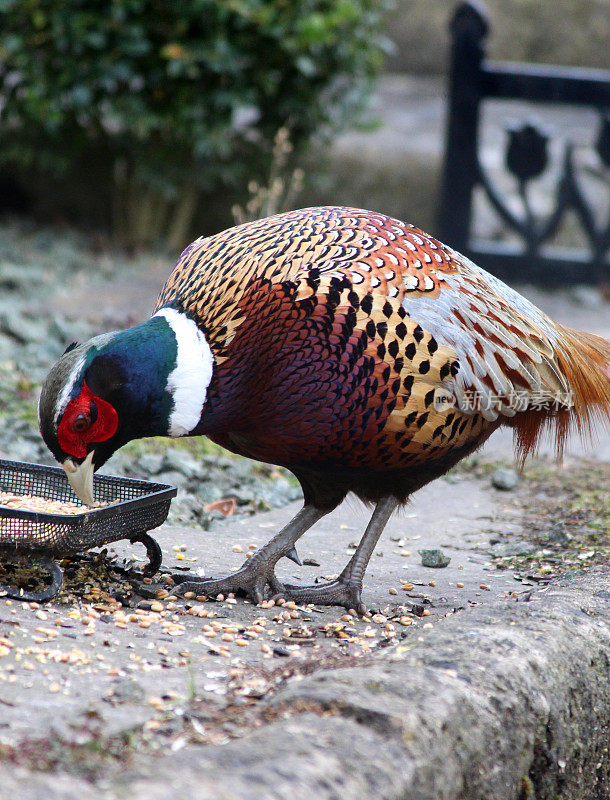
{"x":160,"y":121}
{"x":144,"y":107}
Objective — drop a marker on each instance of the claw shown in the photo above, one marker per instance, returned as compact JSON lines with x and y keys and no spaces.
{"x":294,"y":556}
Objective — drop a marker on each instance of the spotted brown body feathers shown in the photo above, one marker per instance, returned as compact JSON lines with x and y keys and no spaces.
{"x":347,"y":339}
{"x":307,"y":315}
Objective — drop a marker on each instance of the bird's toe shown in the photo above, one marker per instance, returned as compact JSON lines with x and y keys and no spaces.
{"x":253,"y":581}
{"x":340,"y":592}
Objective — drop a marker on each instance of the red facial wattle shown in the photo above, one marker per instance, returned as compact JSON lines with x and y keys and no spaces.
{"x":87,"y":419}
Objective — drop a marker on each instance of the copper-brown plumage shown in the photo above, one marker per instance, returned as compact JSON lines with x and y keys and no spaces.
{"x":357,"y":323}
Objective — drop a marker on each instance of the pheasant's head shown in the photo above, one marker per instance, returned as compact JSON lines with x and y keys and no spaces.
{"x":150,"y":380}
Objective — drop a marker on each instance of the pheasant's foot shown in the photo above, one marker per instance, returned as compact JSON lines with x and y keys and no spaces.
{"x":340,"y":592}
{"x":257,"y":572}
{"x":346,"y":590}
{"x":251,"y":579}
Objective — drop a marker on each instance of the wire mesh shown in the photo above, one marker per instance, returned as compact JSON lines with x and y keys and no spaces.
{"x":134,"y":506}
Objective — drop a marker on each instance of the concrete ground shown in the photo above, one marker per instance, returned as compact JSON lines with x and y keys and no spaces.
{"x":113,"y":652}
{"x":142,"y":696}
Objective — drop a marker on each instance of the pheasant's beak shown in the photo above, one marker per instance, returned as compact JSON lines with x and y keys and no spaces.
{"x":80,"y":477}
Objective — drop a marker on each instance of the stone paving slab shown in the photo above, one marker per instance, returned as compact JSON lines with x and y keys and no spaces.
{"x":419,"y":716}
{"x":504,"y":701}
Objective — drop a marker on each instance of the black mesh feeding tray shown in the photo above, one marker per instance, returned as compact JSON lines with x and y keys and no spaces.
{"x":134,"y":507}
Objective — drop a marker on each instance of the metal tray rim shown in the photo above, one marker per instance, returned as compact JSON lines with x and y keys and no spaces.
{"x":160,"y":492}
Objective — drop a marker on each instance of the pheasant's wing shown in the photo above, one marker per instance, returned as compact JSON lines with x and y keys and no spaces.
{"x":504,"y":348}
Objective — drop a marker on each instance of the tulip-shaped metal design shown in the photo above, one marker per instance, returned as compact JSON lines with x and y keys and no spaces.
{"x":526,"y":159}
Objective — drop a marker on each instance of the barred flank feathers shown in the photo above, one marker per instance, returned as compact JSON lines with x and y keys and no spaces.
{"x":585,"y":361}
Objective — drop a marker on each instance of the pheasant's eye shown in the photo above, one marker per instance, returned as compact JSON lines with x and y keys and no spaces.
{"x":80,"y":424}
{"x":87,"y":419}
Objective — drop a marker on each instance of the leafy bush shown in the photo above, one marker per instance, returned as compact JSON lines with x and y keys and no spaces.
{"x":177,"y":96}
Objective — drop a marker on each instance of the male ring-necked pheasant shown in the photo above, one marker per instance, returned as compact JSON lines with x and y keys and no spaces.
{"x":353,"y":349}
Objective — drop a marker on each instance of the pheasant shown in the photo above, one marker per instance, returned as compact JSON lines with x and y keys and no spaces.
{"x":355,"y":350}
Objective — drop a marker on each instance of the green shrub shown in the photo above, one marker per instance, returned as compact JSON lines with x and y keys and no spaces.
{"x":177,"y":96}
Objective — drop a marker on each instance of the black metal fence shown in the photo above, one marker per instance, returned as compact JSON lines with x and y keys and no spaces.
{"x":473,"y":80}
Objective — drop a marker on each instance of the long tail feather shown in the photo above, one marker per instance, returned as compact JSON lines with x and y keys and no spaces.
{"x":584,"y":359}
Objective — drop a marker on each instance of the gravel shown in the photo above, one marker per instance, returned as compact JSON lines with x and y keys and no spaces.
{"x":506,"y":549}
{"x":434,"y":558}
{"x":504,"y":479}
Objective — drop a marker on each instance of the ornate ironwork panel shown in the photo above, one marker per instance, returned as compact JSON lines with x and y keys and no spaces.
{"x":474,"y":80}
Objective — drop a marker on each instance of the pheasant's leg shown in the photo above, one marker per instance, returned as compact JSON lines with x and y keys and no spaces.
{"x":346,"y":589}
{"x":257,"y":571}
